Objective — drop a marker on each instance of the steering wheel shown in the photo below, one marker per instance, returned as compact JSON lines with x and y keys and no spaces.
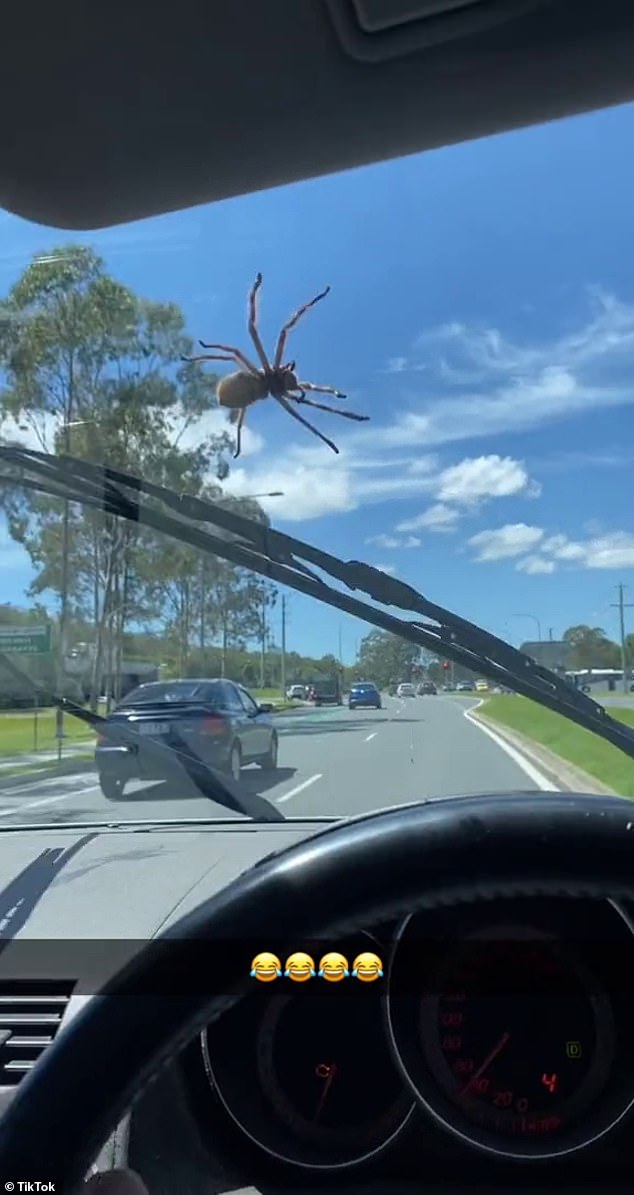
{"x":338,"y":881}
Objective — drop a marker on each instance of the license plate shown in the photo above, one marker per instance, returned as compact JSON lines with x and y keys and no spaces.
{"x":153,"y":728}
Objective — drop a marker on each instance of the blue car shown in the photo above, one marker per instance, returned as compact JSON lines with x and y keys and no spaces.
{"x":364,"y":695}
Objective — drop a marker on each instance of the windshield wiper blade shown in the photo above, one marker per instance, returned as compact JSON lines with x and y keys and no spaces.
{"x":289,"y":561}
{"x":174,"y":763}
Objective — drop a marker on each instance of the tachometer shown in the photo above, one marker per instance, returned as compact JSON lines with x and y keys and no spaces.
{"x":324,"y":1066}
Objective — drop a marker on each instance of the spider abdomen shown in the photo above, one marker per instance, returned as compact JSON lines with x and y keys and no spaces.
{"x":241,"y":389}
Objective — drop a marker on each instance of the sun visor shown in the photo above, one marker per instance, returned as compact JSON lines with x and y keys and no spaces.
{"x":377,"y":30}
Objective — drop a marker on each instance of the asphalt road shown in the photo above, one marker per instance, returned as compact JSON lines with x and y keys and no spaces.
{"x":331,"y":761}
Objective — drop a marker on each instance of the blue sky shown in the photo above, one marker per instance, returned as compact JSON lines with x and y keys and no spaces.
{"x":482,"y":315}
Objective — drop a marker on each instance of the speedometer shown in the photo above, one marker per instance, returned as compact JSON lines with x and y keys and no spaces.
{"x":515,"y":1034}
{"x":513,"y":1031}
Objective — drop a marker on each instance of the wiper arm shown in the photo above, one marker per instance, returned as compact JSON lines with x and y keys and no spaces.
{"x":174,"y":763}
{"x":290,"y":561}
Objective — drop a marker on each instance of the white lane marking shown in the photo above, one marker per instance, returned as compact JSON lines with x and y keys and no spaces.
{"x":300,"y":788}
{"x":43,"y":785}
{"x":371,"y":736}
{"x":527,"y":767}
{"x":47,"y":801}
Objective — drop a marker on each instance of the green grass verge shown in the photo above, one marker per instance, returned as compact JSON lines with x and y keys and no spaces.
{"x":579,"y":747}
{"x":17,"y":730}
{"x":17,"y":736}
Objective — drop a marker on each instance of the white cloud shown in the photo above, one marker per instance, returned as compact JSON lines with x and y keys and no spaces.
{"x":392,"y":541}
{"x":514,"y":539}
{"x":468,"y":484}
{"x":29,"y":432}
{"x":308,"y":492}
{"x":212,"y":423}
{"x":354,"y":481}
{"x":422,"y":465}
{"x":611,"y":550}
{"x":536,"y":564}
{"x":561,"y":548}
{"x":614,"y":549}
{"x":386,"y":568}
{"x":483,"y":477}
{"x":436,"y":518}
{"x":517,"y":405}
{"x":480,"y":352}
{"x":493,"y":385}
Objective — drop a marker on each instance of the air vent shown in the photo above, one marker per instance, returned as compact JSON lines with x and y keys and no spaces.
{"x":30,"y":1016}
{"x":377,"y":30}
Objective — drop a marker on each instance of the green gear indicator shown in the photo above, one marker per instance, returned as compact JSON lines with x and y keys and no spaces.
{"x":573,"y":1049}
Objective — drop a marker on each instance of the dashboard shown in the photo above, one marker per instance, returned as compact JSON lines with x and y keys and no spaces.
{"x":498,"y":1040}
{"x":495,"y":1050}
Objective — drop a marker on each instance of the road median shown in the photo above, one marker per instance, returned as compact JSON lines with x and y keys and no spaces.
{"x":573,"y":758}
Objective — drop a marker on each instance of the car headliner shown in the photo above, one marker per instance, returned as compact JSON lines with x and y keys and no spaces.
{"x":118,"y":112}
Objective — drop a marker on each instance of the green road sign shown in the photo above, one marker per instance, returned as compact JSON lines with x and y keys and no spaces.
{"x":25,"y":641}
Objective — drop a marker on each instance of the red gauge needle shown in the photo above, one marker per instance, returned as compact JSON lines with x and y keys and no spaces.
{"x":497,"y":1049}
{"x":328,"y":1073}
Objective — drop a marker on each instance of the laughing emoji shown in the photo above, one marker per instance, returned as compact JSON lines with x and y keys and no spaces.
{"x":333,"y":967}
{"x":299,"y":967}
{"x":367,"y":967}
{"x":266,"y":967}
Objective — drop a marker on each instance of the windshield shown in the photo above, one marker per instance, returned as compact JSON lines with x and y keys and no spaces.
{"x":449,"y":401}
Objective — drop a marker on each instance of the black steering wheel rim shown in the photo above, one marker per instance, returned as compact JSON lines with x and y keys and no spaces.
{"x":340,"y":880}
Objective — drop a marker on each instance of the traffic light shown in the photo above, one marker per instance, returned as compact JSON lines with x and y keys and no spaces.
{"x":446,"y":665}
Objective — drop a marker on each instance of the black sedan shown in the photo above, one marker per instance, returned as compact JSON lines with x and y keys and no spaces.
{"x":364,"y":695}
{"x":215,"y":721}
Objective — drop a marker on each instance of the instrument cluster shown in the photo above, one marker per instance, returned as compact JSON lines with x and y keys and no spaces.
{"x":502,"y":1028}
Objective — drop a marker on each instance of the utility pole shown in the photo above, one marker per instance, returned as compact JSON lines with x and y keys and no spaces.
{"x":622,"y":606}
{"x":63,"y":610}
{"x":283,"y":659}
{"x":263,"y":641}
{"x":339,"y":656}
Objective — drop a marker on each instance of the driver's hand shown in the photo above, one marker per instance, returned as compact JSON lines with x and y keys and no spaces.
{"x":114,"y":1182}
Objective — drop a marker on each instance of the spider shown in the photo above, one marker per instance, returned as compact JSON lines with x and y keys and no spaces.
{"x":238,"y":391}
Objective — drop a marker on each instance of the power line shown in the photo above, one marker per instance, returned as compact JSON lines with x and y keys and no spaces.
{"x":622,"y":606}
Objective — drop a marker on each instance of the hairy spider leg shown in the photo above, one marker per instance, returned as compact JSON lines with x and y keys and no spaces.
{"x":238,"y":418}
{"x":291,"y":324}
{"x":308,"y":402}
{"x":213,"y":357}
{"x":253,"y":325}
{"x":321,"y":389}
{"x":234,"y":355}
{"x":288,"y":408}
